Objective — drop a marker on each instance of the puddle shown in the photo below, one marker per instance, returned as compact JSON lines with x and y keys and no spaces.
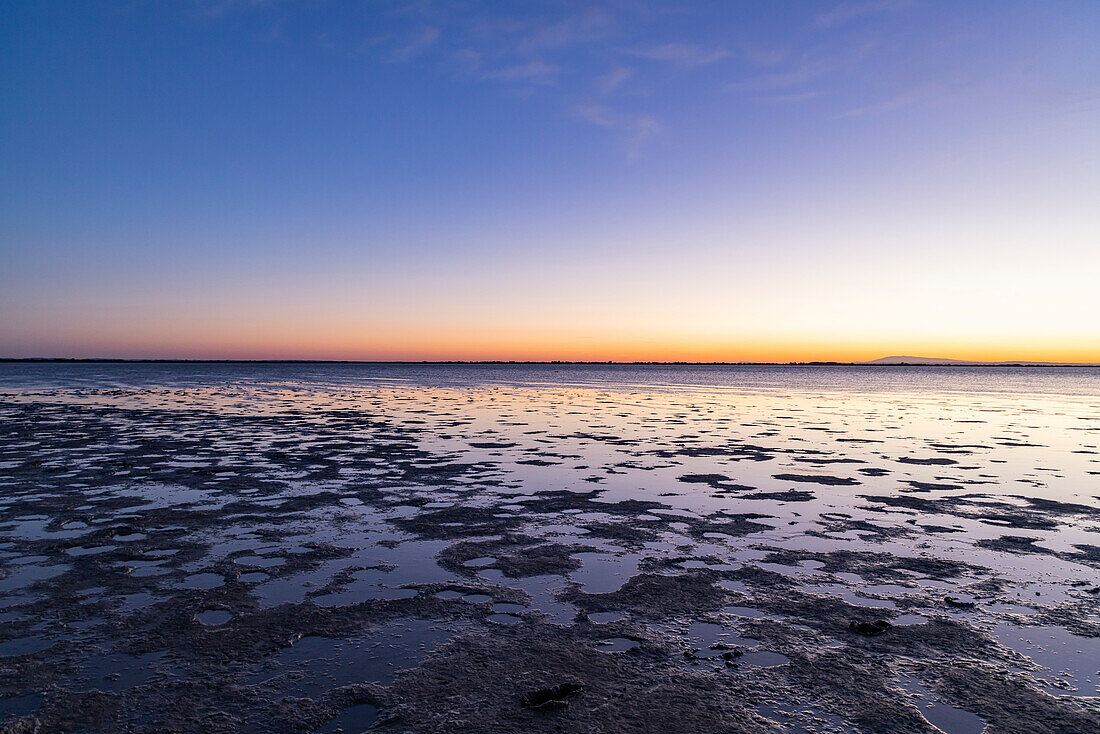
{"x":117,"y":672}
{"x":27,"y":574}
{"x":605,"y":617}
{"x":214,"y":617}
{"x":16,"y":706}
{"x":506,"y":608}
{"x":748,"y":612}
{"x":322,"y":663}
{"x":361,"y":594}
{"x":260,"y":561}
{"x":947,"y":718}
{"x":1072,"y":662}
{"x":352,"y":720}
{"x":203,"y":581}
{"x":477,"y":598}
{"x":19,"y":646}
{"x":762,"y":659}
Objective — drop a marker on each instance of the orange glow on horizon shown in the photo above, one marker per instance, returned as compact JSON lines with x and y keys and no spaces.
{"x":414,"y":347}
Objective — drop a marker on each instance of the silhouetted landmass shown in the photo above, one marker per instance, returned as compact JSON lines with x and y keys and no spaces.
{"x":943,"y":362}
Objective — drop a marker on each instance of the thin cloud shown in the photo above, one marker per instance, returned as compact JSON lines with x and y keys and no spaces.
{"x":468,"y":58}
{"x":420,"y":43}
{"x":588,"y":26}
{"x":847,"y":12}
{"x":805,"y":73}
{"x":614,"y":79}
{"x":793,"y":97}
{"x":535,"y":71}
{"x":681,"y":54}
{"x":637,"y":130}
{"x":923,"y":92}
{"x":812,"y":68}
{"x":759,"y":55}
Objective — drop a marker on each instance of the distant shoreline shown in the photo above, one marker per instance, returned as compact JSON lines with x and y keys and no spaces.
{"x":876,"y":363}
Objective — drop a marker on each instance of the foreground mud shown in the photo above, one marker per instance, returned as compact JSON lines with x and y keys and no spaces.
{"x":304,"y":558}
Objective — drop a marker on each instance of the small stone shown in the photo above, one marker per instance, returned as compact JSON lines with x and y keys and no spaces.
{"x":869,"y":629}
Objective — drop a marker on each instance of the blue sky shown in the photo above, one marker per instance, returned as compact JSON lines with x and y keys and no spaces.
{"x":716,"y":180}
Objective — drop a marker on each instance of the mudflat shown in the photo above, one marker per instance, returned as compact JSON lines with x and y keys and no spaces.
{"x":304,"y":549}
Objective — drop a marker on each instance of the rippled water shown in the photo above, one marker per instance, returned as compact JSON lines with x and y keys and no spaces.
{"x":1060,"y":381}
{"x":313,"y":530}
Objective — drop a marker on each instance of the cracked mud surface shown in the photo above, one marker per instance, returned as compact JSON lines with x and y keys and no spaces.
{"x":294,"y":550}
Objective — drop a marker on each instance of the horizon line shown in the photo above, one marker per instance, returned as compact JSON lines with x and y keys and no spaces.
{"x":925,"y":362}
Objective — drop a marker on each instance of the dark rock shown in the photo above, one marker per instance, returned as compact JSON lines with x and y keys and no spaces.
{"x":869,"y":629}
{"x":545,"y":699}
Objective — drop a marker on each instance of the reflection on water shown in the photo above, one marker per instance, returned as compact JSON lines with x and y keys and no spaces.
{"x":237,"y":379}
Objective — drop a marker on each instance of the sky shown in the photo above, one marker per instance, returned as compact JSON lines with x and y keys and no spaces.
{"x":608,"y":180}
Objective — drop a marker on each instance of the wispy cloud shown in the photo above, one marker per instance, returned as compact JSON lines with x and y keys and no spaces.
{"x":763,"y":55}
{"x":921,"y":92}
{"x":853,"y":10}
{"x":637,"y":129}
{"x":805,"y":72}
{"x":468,"y":59}
{"x":587,"y":26}
{"x":534,"y":71}
{"x":599,"y":50}
{"x":681,"y":54}
{"x":793,"y":97}
{"x":613,"y":79}
{"x":419,"y":43}
{"x":811,"y":67}
{"x":541,"y":48}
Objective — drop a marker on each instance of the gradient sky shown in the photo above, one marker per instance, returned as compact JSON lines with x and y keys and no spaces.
{"x":550,"y":180}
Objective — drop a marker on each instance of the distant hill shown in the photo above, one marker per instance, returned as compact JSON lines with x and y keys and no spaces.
{"x":942,"y":360}
{"x":904,"y":359}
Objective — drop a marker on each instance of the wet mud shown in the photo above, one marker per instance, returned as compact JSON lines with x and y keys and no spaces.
{"x":225,"y":557}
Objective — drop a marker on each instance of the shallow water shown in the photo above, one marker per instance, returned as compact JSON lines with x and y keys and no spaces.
{"x":315,"y":530}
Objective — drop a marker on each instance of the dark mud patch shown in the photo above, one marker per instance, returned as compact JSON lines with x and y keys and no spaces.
{"x":516,"y":556}
{"x":656,"y":596}
{"x":791,"y":495}
{"x":715,"y":481}
{"x":826,"y":480}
